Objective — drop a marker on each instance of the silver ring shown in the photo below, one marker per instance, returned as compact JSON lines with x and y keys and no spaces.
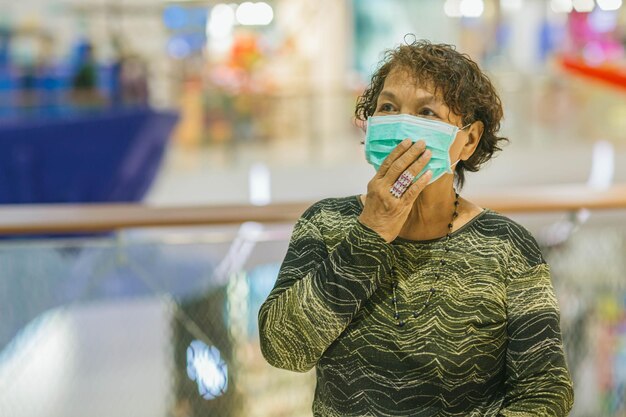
{"x":402,"y":184}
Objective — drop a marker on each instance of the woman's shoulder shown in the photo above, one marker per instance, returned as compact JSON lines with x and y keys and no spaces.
{"x":330,"y":219}
{"x":333,"y":209}
{"x":512,"y":236}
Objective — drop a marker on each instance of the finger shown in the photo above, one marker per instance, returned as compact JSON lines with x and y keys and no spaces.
{"x":395,"y":154}
{"x":417,"y":187}
{"x":404,"y":161}
{"x":404,"y":181}
{"x":417,"y":166}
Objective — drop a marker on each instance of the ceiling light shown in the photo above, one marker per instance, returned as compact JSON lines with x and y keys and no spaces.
{"x":609,"y":5}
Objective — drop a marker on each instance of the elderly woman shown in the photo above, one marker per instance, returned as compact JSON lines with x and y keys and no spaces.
{"x":410,"y":300}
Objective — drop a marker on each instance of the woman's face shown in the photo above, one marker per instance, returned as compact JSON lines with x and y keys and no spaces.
{"x":403,"y":94}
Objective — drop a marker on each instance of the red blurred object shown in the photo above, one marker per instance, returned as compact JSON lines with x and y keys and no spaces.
{"x":245,"y":52}
{"x":608,"y":74}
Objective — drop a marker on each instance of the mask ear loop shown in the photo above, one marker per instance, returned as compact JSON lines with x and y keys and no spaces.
{"x":453,"y":166}
{"x":364,"y":128}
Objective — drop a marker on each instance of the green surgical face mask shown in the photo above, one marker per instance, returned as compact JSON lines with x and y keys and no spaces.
{"x":384,"y":133}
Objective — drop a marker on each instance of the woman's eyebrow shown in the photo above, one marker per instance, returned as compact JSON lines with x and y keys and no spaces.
{"x":425,"y":98}
{"x":388,"y":94}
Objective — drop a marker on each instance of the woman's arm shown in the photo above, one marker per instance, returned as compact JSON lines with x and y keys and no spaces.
{"x":318,"y":293}
{"x":537,"y":380}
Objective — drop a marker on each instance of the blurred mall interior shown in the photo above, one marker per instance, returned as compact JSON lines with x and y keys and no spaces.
{"x":198,"y":103}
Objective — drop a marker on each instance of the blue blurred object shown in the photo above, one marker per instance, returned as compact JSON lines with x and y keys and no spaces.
{"x":175,"y":17}
{"x":5,"y":38}
{"x":185,"y":18}
{"x":105,"y":157}
{"x":206,"y":367}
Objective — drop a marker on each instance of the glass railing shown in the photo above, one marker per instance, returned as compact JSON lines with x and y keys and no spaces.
{"x":589,"y":275}
{"x":163,"y":322}
{"x":143,"y":323}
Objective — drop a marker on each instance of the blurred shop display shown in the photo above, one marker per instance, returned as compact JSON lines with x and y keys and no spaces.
{"x":75,"y":127}
{"x":257,"y":71}
{"x":522,"y":35}
{"x":223,"y":54}
{"x":596,"y":46}
{"x":34,"y":83}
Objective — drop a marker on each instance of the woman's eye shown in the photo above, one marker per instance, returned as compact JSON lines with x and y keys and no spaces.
{"x":385,"y":107}
{"x":428,"y":112}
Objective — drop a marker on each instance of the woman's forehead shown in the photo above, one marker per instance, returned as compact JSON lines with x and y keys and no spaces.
{"x":402,"y":81}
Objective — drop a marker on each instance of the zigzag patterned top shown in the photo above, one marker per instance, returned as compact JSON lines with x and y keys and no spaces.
{"x":489,"y":344}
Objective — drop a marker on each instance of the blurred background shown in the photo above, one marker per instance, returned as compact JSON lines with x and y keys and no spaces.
{"x":122,"y":105}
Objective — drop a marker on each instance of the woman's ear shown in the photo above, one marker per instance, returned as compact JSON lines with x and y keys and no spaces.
{"x":474,"y":133}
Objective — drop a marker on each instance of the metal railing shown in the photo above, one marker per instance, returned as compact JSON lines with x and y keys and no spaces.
{"x":61,"y":218}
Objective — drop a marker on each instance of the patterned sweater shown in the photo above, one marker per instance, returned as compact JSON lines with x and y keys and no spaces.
{"x":488,"y":344}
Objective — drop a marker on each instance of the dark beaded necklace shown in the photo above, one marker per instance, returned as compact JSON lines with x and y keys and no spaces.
{"x":442,"y":262}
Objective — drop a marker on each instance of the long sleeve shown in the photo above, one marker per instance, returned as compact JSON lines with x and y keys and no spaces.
{"x":317,"y":293}
{"x":537,"y":380}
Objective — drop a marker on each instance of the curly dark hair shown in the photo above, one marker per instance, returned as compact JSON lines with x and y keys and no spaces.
{"x":465,"y":89}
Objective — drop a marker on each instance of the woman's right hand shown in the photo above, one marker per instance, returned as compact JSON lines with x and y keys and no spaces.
{"x":384,"y":213}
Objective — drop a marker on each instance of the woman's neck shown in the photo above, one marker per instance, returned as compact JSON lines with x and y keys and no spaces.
{"x":431,"y":212}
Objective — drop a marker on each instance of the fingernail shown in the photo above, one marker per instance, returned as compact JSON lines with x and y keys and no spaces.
{"x":429,"y":173}
{"x":406,"y":141}
{"x":427,"y":153}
